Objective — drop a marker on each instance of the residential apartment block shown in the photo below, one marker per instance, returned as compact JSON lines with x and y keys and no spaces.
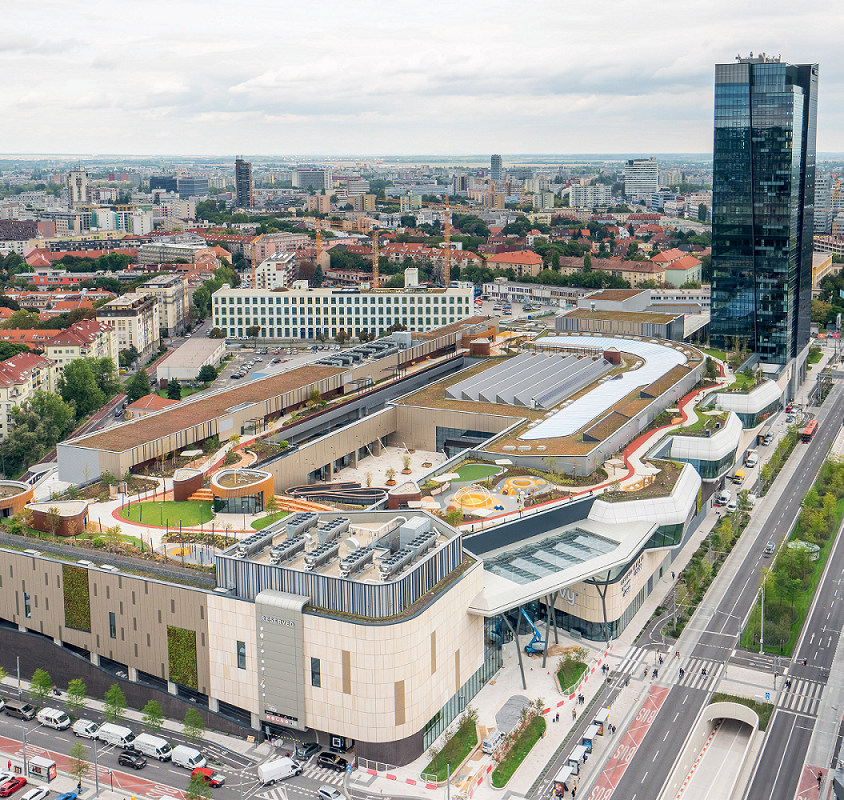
{"x":641,"y":177}
{"x":89,"y":338}
{"x":174,"y":300}
{"x":136,"y":320}
{"x":313,"y":179}
{"x":20,"y":377}
{"x":590,"y":196}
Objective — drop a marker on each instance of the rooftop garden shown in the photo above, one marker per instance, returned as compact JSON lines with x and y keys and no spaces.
{"x":650,"y":486}
{"x":746,"y":381}
{"x":706,"y":424}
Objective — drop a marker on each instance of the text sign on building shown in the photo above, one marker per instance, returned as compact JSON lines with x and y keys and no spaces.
{"x":627,"y":580}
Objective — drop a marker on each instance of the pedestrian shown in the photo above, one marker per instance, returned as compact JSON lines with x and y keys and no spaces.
{"x":677,"y":654}
{"x":660,"y":659}
{"x":672,"y":575}
{"x":585,"y":757}
{"x":573,"y":792}
{"x":558,"y":716}
{"x":573,"y":714}
{"x":10,"y":765}
{"x":682,"y":672}
{"x":703,"y":672}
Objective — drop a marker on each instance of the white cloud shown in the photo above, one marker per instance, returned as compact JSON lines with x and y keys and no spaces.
{"x":368,"y":77}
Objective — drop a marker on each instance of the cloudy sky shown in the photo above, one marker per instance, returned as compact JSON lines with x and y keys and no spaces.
{"x":361,"y":77}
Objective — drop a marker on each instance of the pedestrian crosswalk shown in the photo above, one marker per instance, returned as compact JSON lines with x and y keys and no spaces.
{"x":315,"y":773}
{"x":700,"y":673}
{"x":802,"y":696}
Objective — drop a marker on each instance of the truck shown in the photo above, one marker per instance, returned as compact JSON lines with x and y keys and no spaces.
{"x":751,"y":459}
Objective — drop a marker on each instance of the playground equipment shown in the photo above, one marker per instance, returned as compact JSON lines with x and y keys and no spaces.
{"x":471,"y":498}
{"x":537,"y":644}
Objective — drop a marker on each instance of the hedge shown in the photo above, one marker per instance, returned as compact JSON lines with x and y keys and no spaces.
{"x":181,"y":656}
{"x":77,"y":600}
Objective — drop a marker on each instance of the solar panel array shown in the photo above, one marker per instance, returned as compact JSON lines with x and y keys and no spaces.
{"x":530,"y":380}
{"x":658,"y":359}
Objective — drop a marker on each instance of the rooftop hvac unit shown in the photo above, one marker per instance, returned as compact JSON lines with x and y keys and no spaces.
{"x":299,"y":522}
{"x":287,"y":549}
{"x":412,"y":528}
{"x":393,"y":564}
{"x":253,"y":543}
{"x":332,"y":529}
{"x":356,"y":561}
{"x":422,"y":543}
{"x":322,"y":554}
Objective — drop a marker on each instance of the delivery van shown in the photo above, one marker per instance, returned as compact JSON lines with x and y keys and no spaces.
{"x":492,"y":741}
{"x":53,"y":718}
{"x":738,"y":478}
{"x":187,"y":757}
{"x":115,"y":734}
{"x":278,"y":770}
{"x":85,"y":728}
{"x":153,"y":746}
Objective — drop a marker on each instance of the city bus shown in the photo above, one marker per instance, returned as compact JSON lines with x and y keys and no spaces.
{"x":809,"y":430}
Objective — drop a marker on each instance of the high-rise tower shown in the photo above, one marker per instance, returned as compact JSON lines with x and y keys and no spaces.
{"x":763,"y":192}
{"x":244,"y":186}
{"x":495,"y":168}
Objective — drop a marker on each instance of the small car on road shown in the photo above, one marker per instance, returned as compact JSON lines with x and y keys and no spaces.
{"x":306,"y":750}
{"x":213,"y":779}
{"x":332,"y":761}
{"x":132,"y":758}
{"x":329,"y":793}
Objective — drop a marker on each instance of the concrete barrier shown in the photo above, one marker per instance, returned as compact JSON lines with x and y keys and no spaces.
{"x":699,"y":739}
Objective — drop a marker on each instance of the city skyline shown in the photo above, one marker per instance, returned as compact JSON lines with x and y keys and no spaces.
{"x":127,"y":83}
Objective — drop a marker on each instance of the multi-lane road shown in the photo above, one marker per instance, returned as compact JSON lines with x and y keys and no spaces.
{"x":711,"y":641}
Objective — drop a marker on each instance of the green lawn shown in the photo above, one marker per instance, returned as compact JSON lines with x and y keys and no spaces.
{"x":720,"y":354}
{"x":815,"y":355}
{"x":188,"y":513}
{"x":265,"y":522}
{"x":518,"y":752}
{"x":763,"y":710}
{"x":477,"y":472}
{"x":801,"y":602}
{"x":570,"y":673}
{"x":455,"y":750}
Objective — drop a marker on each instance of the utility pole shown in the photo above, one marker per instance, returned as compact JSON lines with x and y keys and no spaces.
{"x":19,"y":677}
{"x":24,"y":749}
{"x":96,"y":771}
{"x":762,"y":624}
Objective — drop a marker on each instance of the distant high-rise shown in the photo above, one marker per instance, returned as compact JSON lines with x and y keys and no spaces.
{"x":641,"y":177}
{"x":77,"y":187}
{"x":317,"y":179}
{"x":495,"y":168}
{"x":244,"y":187}
{"x":824,"y":192}
{"x":763,"y":194}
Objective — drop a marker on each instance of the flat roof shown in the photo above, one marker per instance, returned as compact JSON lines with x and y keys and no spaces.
{"x":615,"y":294}
{"x":192,"y":352}
{"x":622,"y":316}
{"x":195,"y":412}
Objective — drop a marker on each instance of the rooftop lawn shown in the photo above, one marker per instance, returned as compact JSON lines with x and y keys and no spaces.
{"x":188,"y":513}
{"x":265,"y":522}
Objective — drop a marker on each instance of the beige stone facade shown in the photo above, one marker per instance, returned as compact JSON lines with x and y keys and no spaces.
{"x":231,"y":621}
{"x":397,"y":676}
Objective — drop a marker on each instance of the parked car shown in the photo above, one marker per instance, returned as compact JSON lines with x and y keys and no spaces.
{"x":213,"y":779}
{"x":306,"y":750}
{"x":332,"y":761}
{"x":38,"y":793}
{"x":10,"y":786}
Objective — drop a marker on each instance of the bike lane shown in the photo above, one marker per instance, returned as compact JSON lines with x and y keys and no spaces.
{"x":123,"y":781}
{"x":629,"y":744}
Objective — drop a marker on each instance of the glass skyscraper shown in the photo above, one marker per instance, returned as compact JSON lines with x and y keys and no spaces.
{"x":763,"y":192}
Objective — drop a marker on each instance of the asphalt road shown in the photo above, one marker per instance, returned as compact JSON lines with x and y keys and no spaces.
{"x":232,"y":764}
{"x":788,"y":739}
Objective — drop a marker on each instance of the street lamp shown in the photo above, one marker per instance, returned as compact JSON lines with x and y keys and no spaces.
{"x":161,"y":512}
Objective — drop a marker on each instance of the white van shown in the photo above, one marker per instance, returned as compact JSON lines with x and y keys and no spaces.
{"x":278,"y":770}
{"x":153,"y":746}
{"x":53,"y":718}
{"x":492,"y":741}
{"x":723,"y":497}
{"x":115,"y":734}
{"x":187,"y":757}
{"x":85,"y":728}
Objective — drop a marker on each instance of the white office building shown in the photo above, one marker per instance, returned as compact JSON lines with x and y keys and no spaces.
{"x":304,"y":313}
{"x":590,"y":196}
{"x":641,"y":177}
{"x":313,"y":179}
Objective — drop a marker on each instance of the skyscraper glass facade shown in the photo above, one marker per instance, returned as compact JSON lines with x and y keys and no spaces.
{"x":762,"y":206}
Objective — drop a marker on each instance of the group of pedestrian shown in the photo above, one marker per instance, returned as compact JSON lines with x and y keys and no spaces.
{"x":581,"y":700}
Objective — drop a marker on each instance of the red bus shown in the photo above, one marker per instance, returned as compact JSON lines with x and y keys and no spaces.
{"x":809,"y":430}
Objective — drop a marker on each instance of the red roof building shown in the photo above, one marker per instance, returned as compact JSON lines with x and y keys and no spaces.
{"x":522,"y":262}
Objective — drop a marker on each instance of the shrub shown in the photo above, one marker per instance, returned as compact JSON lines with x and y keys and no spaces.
{"x":77,"y":600}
